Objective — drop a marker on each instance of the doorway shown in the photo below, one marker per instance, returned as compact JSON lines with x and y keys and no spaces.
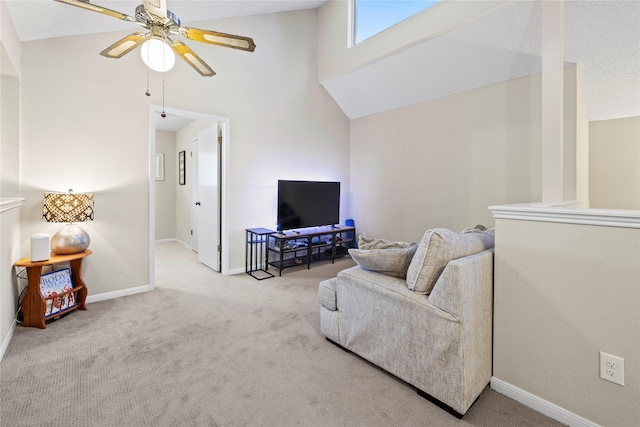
{"x":223,"y":124}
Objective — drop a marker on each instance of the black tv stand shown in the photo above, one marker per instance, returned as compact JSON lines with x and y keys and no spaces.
{"x":308,"y":246}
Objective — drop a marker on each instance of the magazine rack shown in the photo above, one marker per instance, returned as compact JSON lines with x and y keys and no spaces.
{"x":34,"y":305}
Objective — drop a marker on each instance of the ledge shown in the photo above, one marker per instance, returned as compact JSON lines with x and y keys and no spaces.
{"x":8,"y":203}
{"x":568,"y":213}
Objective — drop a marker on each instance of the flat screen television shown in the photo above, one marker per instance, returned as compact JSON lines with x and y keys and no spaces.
{"x":304,"y":204}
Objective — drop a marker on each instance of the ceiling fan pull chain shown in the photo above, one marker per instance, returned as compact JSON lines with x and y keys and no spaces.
{"x":163,"y":115}
{"x":147,"y":92}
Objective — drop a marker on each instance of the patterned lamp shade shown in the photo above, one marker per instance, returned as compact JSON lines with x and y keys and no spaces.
{"x":67,"y":207}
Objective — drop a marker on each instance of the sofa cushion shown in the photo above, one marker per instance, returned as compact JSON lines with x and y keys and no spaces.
{"x":393,"y":261}
{"x":437,"y":248}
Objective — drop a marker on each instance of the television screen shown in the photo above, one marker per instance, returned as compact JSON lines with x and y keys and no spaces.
{"x":307,"y":204}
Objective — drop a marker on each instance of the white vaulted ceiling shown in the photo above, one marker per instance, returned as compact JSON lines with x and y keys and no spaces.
{"x":40,"y":19}
{"x":603,"y":37}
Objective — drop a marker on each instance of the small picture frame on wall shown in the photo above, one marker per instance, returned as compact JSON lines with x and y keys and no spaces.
{"x":159,"y":167}
{"x":181,"y":168}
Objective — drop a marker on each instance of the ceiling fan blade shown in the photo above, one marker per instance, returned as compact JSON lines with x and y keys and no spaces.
{"x":194,"y":60}
{"x":92,"y":7}
{"x":156,"y":7}
{"x":220,"y":39}
{"x":124,"y":46}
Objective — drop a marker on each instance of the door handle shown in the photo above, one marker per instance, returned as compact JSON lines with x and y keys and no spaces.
{"x":197,"y":203}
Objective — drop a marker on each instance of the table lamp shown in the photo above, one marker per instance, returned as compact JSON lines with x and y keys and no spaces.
{"x":69,"y":208}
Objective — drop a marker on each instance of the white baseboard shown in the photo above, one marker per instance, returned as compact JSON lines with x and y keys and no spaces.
{"x":545,"y":407}
{"x":174,"y":239}
{"x":186,"y":245}
{"x":7,"y":340}
{"x":237,"y":271}
{"x":117,"y":294}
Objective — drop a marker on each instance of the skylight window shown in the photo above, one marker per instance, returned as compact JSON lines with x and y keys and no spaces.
{"x":373,"y":16}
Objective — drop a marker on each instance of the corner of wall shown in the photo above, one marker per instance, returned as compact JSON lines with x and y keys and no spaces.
{"x":9,"y":44}
{"x":582,"y":143}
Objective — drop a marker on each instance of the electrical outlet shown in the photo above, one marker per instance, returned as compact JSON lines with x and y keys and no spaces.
{"x":612,"y":368}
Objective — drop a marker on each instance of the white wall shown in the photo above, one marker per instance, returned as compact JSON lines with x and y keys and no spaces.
{"x":563,"y":293}
{"x":443,"y":162}
{"x":86,"y":126}
{"x":9,"y":190}
{"x":9,"y":136}
{"x":9,"y":44}
{"x":165,"y":208}
{"x":10,"y":287}
{"x":615,"y":163}
{"x":10,"y":249}
{"x":9,"y":108}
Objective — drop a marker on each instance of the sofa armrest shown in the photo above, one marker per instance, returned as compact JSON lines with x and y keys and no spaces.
{"x":465,"y":289}
{"x":456,"y":290}
{"x":327,"y":294}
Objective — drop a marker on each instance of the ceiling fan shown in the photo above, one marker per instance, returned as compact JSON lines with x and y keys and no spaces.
{"x":162,"y":23}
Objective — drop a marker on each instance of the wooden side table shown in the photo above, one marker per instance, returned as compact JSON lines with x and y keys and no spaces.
{"x":34,"y":304}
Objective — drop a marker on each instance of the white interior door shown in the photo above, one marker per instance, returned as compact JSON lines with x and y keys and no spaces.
{"x":207,"y":204}
{"x":195,"y":195}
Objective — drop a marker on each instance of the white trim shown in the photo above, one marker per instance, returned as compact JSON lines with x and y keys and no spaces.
{"x":225,"y":185}
{"x":545,"y":407}
{"x":351,"y":24}
{"x":568,"y":213}
{"x":152,"y":194}
{"x":7,"y":340}
{"x":9,"y":203}
{"x":117,"y":294}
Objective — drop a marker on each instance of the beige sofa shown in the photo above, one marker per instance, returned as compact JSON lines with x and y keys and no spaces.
{"x":432,"y":329}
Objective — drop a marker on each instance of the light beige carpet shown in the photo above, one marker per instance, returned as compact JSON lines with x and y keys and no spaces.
{"x":207,"y":350}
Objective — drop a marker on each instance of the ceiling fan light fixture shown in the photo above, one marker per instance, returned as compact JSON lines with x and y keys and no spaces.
{"x":158,"y":50}
{"x":157,"y":55}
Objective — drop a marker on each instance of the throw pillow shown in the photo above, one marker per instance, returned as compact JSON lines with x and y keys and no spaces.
{"x":477,"y":229}
{"x":436,"y":249}
{"x":365,"y":242}
{"x":392,"y":261}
